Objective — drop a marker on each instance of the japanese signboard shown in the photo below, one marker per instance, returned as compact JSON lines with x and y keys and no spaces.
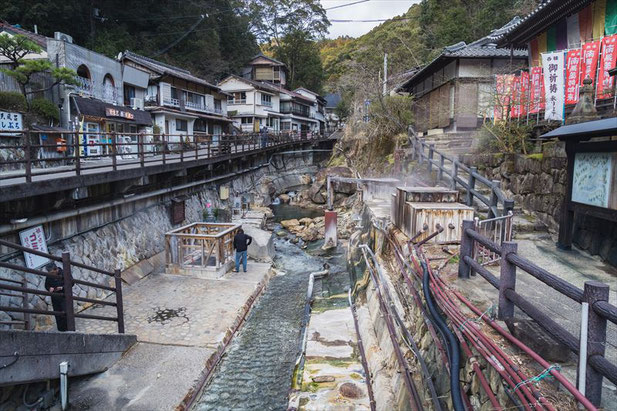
{"x":591,"y":51}
{"x":536,"y":91}
{"x":524,"y":93}
{"x":515,"y":100}
{"x":609,"y":60}
{"x":10,"y":122}
{"x":553,"y":64}
{"x":592,"y":180}
{"x":573,"y":75}
{"x":114,"y":112}
{"x":503,"y":94}
{"x":34,"y":238}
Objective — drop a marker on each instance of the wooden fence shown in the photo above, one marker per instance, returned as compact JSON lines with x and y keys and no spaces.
{"x":68,"y":282}
{"x":459,"y":174}
{"x":595,"y":294}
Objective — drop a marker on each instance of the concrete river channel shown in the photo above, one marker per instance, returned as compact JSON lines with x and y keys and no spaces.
{"x":257,"y":370}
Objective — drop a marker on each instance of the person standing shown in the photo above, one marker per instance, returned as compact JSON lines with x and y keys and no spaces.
{"x":56,"y":285}
{"x":241,"y":243}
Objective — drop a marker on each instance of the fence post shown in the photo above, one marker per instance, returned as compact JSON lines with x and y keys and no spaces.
{"x":454,"y":174}
{"x":114,"y":151}
{"x":431,"y":152}
{"x":471,"y":185}
{"x":507,"y":280}
{"x":119,"y":304}
{"x":140,"y":144}
{"x":593,"y":292}
{"x":508,"y":205}
{"x":196,"y":146}
{"x":28,"y":157}
{"x":68,"y":291}
{"x":420,"y":147}
{"x":466,"y":250}
{"x":495,"y":184}
{"x":77,"y":155}
{"x":441,"y":165}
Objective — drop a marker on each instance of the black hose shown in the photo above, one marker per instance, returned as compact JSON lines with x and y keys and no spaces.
{"x":455,"y":355}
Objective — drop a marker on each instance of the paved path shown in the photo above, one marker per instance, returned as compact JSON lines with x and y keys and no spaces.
{"x":179,"y":321}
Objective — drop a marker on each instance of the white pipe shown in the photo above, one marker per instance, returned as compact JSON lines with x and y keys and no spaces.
{"x":64,"y":384}
{"x":582,"y":356}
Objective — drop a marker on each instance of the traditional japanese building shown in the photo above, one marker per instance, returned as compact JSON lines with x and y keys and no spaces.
{"x":455,"y":91}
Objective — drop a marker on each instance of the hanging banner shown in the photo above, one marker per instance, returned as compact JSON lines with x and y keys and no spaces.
{"x":591,"y":51}
{"x":553,"y":64}
{"x":524,"y":93}
{"x":502,"y":98}
{"x":608,"y":62}
{"x":536,"y":91}
{"x":515,"y":101}
{"x":573,"y":75}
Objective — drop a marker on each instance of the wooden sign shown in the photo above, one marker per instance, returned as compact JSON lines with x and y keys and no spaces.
{"x":593,"y":180}
{"x":114,"y":112}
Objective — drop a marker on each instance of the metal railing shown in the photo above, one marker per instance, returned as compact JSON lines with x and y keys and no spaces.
{"x":499,"y":229}
{"x":82,"y":152}
{"x":594,"y":295}
{"x":200,"y":245}
{"x":458,"y":174}
{"x":68,"y":282}
{"x":25,"y":321}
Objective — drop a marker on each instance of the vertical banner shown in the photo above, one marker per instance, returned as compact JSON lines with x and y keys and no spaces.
{"x":536,"y":91}
{"x":611,"y":17}
{"x":591,"y":51}
{"x":553,"y":64}
{"x":599,"y":18}
{"x":534,"y":52}
{"x":585,"y":21}
{"x":573,"y":75}
{"x":524,"y":93}
{"x":609,"y":60}
{"x":515,"y":101}
{"x":502,"y":98}
{"x":574,"y":31}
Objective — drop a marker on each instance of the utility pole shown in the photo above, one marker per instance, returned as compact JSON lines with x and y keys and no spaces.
{"x":385,"y":74}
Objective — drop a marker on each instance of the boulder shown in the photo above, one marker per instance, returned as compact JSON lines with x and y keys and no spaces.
{"x":289,"y":224}
{"x":262,"y":246}
{"x":284,"y":198}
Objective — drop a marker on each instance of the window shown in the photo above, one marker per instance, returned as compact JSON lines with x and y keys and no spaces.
{"x":266,"y":100}
{"x":182,"y":125}
{"x":247,"y":120}
{"x":109,"y":88}
{"x":200,"y":125}
{"x":237,"y":98}
{"x":174,"y":93}
{"x":129,"y":93}
{"x":218,"y":106}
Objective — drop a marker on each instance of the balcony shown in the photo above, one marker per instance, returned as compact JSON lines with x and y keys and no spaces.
{"x":238,"y":101}
{"x":295,"y":111}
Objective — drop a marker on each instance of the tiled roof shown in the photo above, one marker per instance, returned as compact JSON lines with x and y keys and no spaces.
{"x":37,"y":38}
{"x":275,"y":61}
{"x":262,"y":85}
{"x":167,"y":69}
{"x":96,"y":108}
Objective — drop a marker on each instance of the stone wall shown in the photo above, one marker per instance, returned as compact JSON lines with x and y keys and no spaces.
{"x":122,"y":236}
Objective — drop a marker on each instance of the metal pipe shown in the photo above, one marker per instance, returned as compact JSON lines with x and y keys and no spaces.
{"x":64,"y":384}
{"x":582,"y":356}
{"x":367,"y":372}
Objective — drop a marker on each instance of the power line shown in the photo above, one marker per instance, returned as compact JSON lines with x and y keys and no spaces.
{"x":346,"y":4}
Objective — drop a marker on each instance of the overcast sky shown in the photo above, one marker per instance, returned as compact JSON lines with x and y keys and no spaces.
{"x":370,"y":10}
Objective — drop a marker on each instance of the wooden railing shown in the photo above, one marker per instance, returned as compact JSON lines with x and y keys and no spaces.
{"x":458,"y":174}
{"x":200,"y":245}
{"x":80,"y":153}
{"x":68,"y":282}
{"x":595,"y":295}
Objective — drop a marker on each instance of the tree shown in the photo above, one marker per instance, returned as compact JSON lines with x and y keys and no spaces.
{"x":303,"y":61}
{"x":15,"y":49}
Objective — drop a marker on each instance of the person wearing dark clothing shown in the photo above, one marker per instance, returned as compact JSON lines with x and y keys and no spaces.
{"x":241,"y":243}
{"x":56,"y":285}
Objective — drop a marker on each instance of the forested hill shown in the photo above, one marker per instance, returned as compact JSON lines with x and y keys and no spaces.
{"x":221,"y":43}
{"x":413,"y":39}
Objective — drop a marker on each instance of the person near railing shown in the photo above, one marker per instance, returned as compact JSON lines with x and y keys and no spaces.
{"x":56,"y":285}
{"x":241,"y":243}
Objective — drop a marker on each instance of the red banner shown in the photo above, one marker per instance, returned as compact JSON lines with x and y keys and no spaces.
{"x":573,"y":75}
{"x":591,"y":51}
{"x":536,"y":92}
{"x":502,"y":100}
{"x":608,"y":62}
{"x":524,"y":94}
{"x":515,"y":105}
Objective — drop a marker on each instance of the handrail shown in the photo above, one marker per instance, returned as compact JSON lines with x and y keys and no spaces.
{"x":67,"y":283}
{"x":453,"y":174}
{"x":595,"y":294}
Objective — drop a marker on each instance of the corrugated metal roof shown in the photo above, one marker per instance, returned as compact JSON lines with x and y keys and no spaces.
{"x":597,"y":128}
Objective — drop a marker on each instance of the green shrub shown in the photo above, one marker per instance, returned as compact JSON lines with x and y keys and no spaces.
{"x":12,"y":101}
{"x":45,"y":108}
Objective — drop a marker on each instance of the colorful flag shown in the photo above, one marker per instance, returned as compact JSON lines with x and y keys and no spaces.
{"x":536,"y":92}
{"x":551,"y":38}
{"x":516,"y":98}
{"x":608,"y":62}
{"x":574,"y":31}
{"x":591,"y":51}
{"x":611,"y":17}
{"x":561,"y":35}
{"x":534,"y":52}
{"x":524,"y":96}
{"x":573,"y":76}
{"x":553,"y":64}
{"x":599,"y":18}
{"x":542,"y":45}
{"x":502,"y":100}
{"x":585,"y":21}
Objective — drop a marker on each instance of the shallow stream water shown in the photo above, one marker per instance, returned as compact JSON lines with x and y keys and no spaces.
{"x":257,"y":370}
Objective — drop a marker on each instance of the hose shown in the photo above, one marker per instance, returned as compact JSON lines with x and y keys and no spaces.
{"x":30,"y":405}
{"x":455,"y":355}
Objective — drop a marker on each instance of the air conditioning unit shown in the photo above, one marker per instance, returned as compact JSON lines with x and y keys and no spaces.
{"x":63,"y":37}
{"x":137,"y":103}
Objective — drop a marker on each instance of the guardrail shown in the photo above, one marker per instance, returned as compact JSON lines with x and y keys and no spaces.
{"x":460,"y":174}
{"x":68,"y":282}
{"x":79,"y":153}
{"x":595,"y":295}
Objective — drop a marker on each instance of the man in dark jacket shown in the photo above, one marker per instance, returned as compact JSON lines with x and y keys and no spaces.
{"x":56,"y":285}
{"x":241,"y":243}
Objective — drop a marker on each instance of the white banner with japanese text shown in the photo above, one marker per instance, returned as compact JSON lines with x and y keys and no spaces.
{"x":554,"y":81}
{"x":34,"y":238}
